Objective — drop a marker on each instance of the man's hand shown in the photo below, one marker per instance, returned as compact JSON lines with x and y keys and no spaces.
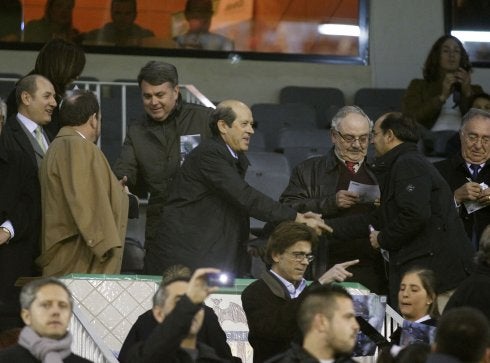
{"x":345,"y":199}
{"x":123,"y":181}
{"x":337,"y":273}
{"x":468,"y":191}
{"x":314,"y":221}
{"x":4,"y":236}
{"x":373,"y":238}
{"x":198,"y":289}
{"x":484,"y":198}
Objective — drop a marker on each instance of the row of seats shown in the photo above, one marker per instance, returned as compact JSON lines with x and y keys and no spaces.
{"x":327,"y":100}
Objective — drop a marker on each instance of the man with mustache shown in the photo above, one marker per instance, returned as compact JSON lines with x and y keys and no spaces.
{"x":322,"y":184}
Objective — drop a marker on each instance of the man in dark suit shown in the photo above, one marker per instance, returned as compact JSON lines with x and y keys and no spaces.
{"x":206,"y":219}
{"x":20,"y":211}
{"x":466,"y":171}
{"x":24,"y":132}
{"x":21,"y":150}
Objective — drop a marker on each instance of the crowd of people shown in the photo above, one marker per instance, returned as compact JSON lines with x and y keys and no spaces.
{"x":414,"y":237}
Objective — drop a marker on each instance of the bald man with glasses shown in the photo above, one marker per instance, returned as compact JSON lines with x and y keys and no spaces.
{"x":271,"y":303}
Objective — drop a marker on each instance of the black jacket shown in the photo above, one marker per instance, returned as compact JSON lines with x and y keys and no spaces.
{"x":271,"y":316}
{"x":313,"y":187}
{"x":474,"y":291}
{"x":19,"y":354}
{"x":206,"y":219}
{"x":20,"y":203}
{"x":296,"y":354}
{"x":455,"y":172}
{"x":150,"y":156}
{"x":417,"y":220}
{"x":163,"y":344}
{"x":210,"y":334}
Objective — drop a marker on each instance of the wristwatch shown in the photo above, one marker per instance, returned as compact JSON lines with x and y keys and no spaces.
{"x":7,"y":231}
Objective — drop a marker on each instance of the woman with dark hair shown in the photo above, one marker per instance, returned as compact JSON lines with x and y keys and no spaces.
{"x":61,"y":62}
{"x":56,"y":23}
{"x":438,"y":101}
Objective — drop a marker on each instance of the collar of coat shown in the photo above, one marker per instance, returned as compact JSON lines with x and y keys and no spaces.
{"x":275,"y":285}
{"x":385,"y":161}
{"x":242,"y":158}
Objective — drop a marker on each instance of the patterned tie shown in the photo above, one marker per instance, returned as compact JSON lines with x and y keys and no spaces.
{"x":351,"y":166}
{"x":40,"y":138}
{"x":475,"y":168}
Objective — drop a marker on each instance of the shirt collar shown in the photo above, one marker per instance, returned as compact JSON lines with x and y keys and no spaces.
{"x":359,"y":163}
{"x":469,"y":164}
{"x":28,"y":123}
{"x":422,"y":319}
{"x":292,"y":290}
{"x":232,"y":152}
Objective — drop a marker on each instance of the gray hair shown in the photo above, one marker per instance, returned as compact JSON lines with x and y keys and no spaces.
{"x":29,"y":291}
{"x":346,"y":110}
{"x":472,"y":113}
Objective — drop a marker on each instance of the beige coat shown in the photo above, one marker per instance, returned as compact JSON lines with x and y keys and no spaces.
{"x":84,"y":207}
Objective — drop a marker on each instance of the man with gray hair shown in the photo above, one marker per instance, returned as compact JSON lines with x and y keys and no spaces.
{"x":156,"y":145}
{"x":321,"y":184}
{"x":46,"y":311}
{"x":468,"y":172}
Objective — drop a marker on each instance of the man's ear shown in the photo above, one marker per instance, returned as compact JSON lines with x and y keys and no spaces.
{"x":26,"y":316}
{"x":158,"y":313}
{"x":25,"y":97}
{"x":93,"y":121}
{"x":222,"y":127}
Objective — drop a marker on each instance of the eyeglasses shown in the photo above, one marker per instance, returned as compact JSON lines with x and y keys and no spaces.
{"x":363,"y":139}
{"x":473,"y":139}
{"x":300,"y":256}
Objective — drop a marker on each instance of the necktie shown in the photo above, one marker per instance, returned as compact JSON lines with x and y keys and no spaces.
{"x":475,"y":168}
{"x":40,"y":138}
{"x":351,"y":166}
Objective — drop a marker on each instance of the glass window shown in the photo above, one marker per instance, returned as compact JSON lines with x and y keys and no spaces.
{"x":468,"y":20}
{"x":311,"y":30}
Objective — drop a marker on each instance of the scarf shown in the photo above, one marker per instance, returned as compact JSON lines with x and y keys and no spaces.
{"x":45,"y":349}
